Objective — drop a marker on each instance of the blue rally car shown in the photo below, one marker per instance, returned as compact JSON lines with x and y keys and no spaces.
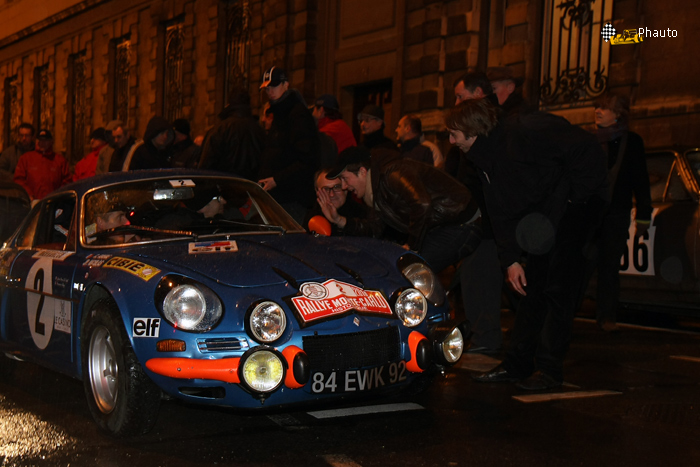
{"x":200,"y":286}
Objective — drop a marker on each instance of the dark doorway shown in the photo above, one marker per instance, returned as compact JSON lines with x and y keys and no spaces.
{"x":378,"y":94}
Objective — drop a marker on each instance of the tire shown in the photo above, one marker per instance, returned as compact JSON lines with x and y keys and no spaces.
{"x":122,"y":399}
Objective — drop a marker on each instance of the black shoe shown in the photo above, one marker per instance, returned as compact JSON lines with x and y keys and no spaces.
{"x":497,"y":375}
{"x":539,"y":381}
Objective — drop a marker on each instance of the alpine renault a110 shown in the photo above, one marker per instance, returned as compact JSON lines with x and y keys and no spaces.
{"x":199,"y":286}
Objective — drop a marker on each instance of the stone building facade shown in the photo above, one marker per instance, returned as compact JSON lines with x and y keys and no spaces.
{"x":75,"y":65}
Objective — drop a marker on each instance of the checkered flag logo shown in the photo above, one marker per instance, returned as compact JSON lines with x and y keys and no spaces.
{"x":608,"y":32}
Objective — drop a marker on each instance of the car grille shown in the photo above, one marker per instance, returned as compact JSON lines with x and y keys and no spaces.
{"x":356,"y":350}
{"x":224,"y":344}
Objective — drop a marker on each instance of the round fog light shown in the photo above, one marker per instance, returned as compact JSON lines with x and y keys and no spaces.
{"x":453,"y":345}
{"x":263,"y":371}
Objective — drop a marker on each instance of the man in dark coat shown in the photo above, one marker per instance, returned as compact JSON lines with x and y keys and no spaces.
{"x":236,"y":143}
{"x":434,"y":210}
{"x":545,"y":187}
{"x":292,"y":152}
{"x":154,"y":153}
{"x":184,"y":152}
{"x":409,"y":131}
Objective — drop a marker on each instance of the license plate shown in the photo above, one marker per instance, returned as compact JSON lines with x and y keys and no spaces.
{"x":329,"y":382}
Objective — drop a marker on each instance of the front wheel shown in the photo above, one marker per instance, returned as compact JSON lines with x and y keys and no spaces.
{"x":121,"y":397}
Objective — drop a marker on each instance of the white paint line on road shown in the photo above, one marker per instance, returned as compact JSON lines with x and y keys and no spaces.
{"x":644,"y":328}
{"x":383,"y":408}
{"x":686,"y":358}
{"x":339,"y":460}
{"x":564,"y":395}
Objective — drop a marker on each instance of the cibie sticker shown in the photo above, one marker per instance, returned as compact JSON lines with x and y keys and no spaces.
{"x":137,"y":268}
{"x":333,"y":297}
{"x":213,"y":247}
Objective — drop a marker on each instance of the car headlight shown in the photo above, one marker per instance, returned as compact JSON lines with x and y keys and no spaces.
{"x":263,"y":371}
{"x":411,"y":307}
{"x":453,"y":346}
{"x":423,"y":279}
{"x":267,"y":322}
{"x":188,"y":305}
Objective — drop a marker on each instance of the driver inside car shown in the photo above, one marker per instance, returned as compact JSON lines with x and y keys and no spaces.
{"x":115,"y":216}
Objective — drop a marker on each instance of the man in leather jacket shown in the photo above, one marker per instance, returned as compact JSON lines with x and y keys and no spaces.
{"x":436,"y":212}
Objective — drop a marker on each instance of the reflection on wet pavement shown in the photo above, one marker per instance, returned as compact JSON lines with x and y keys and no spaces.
{"x":23,"y":435}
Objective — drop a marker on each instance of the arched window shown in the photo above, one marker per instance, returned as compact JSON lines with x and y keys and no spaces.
{"x":173,"y":71}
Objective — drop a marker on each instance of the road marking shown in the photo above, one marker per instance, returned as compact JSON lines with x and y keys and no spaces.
{"x":686,"y":358}
{"x":644,"y":328}
{"x":286,"y":421}
{"x":339,"y":460}
{"x":564,"y":395}
{"x":321,"y":414}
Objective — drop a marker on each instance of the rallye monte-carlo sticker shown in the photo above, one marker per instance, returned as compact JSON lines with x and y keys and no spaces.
{"x":333,"y":297}
{"x":212,"y":247}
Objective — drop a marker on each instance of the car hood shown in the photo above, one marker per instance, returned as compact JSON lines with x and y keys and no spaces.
{"x":267,"y":259}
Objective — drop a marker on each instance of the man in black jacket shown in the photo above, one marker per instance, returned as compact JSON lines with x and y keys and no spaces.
{"x":434,"y":210}
{"x":235,"y":144}
{"x":545,"y":187}
{"x":154,"y":153}
{"x":292,"y":152}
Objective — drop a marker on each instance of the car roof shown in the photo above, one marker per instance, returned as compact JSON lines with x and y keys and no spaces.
{"x":110,"y":178}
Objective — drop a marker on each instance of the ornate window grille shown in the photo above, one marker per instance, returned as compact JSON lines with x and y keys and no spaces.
{"x":122,"y":62}
{"x":78,"y":106}
{"x":237,"y":46}
{"x":44,"y":98}
{"x":173,"y":71}
{"x":14,"y":107}
{"x":575,"y":57}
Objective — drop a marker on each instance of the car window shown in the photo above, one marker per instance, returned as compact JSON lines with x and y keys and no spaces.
{"x":163,"y":209}
{"x":693,"y":158}
{"x":52,"y":225}
{"x":659,"y":167}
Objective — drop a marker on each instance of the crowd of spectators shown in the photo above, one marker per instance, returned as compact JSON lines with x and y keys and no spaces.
{"x":519,"y":197}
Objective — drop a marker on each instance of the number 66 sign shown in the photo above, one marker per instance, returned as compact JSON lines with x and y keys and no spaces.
{"x":638,"y":258}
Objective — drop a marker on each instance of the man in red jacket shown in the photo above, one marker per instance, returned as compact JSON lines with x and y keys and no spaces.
{"x":42,"y":171}
{"x":87,"y":166}
{"x":330,"y":121}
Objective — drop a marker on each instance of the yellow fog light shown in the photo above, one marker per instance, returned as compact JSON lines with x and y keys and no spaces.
{"x":263,"y":371}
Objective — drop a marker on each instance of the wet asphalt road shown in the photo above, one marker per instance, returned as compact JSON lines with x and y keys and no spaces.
{"x":646,"y":413}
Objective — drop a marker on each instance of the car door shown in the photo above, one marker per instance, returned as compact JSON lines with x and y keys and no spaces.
{"x":659,"y":268}
{"x":38,"y":310}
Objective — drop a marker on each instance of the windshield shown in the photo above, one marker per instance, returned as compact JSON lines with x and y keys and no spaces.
{"x":165,"y":208}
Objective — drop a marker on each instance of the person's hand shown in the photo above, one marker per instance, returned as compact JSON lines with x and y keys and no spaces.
{"x":329,"y":211}
{"x":268,"y":183}
{"x":640,"y":228}
{"x":406,"y":246}
{"x":516,"y":278}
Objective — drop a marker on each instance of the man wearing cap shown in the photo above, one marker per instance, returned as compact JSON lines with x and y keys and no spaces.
{"x":505,"y":86}
{"x":291,"y":156}
{"x":409,"y":131}
{"x":236,"y":143}
{"x":10,"y":156}
{"x":330,"y":121}
{"x":42,"y":171}
{"x":184,"y":152}
{"x":434,"y":210}
{"x":87,"y":166}
{"x":371,"y":121}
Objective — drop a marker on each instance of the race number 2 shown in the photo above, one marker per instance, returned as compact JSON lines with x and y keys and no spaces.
{"x":40,"y":310}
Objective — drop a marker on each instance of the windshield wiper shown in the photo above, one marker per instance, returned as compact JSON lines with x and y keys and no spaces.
{"x":140,"y":229}
{"x":277,"y":228}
